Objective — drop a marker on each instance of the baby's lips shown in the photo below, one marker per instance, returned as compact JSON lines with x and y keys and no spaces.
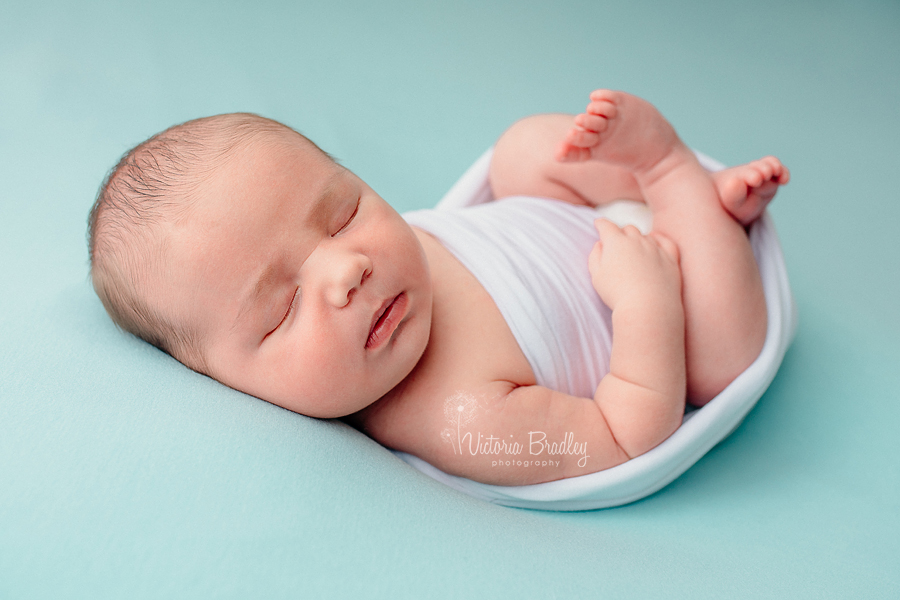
{"x":378,"y":314}
{"x":387,"y":320}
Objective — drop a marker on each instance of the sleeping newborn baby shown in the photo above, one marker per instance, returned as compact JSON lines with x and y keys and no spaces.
{"x":247,"y":253}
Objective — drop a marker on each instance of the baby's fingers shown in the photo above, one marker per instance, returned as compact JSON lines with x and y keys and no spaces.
{"x":606,"y":228}
{"x":668,"y":246}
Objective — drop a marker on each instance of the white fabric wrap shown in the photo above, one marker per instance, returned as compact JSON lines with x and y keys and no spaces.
{"x":701,"y":429}
{"x":530,"y":254}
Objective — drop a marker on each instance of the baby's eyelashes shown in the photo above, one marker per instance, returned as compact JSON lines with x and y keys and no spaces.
{"x":350,"y":219}
{"x":295,"y":300}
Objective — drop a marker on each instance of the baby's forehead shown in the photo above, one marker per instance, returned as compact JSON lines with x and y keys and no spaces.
{"x":259,"y":210}
{"x":261,"y":168}
{"x":287,"y":178}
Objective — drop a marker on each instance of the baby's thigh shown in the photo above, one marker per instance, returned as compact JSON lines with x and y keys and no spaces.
{"x":524,"y":164}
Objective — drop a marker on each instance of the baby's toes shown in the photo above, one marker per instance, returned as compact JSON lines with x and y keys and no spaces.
{"x":603,"y":95}
{"x":733,"y":192}
{"x":566,"y":152}
{"x":780,"y":173}
{"x":766,"y":169}
{"x":784,"y":175}
{"x":582,"y":138}
{"x":602,"y":108}
{"x":594,"y":123}
{"x":754,"y":177}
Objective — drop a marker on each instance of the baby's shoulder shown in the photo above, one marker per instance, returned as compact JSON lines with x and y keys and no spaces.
{"x":470,"y":349}
{"x":417,"y":417}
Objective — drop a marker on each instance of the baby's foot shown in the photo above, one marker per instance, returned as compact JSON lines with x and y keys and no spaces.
{"x":747,"y":189}
{"x":620,"y":129}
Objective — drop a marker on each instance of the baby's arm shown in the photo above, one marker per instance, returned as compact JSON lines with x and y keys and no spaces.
{"x":642,"y":397}
{"x":636,"y":406}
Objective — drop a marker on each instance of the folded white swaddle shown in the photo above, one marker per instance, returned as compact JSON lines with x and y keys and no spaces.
{"x":700,"y":430}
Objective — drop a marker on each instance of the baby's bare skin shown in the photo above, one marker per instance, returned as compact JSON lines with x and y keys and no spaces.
{"x":522,"y":162}
{"x":746,"y":190}
{"x":308,"y":291}
{"x":641,"y":401}
{"x":723,"y":292}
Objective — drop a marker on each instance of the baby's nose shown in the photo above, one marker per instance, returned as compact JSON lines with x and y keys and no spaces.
{"x":347,"y":274}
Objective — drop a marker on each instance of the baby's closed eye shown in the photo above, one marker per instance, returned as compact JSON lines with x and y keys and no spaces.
{"x":349,"y":219}
{"x":295,"y":300}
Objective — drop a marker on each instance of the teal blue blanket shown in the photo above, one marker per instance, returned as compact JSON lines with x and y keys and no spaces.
{"x":124,"y":475}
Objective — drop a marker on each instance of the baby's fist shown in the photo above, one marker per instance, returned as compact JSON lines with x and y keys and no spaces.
{"x":626,"y":264}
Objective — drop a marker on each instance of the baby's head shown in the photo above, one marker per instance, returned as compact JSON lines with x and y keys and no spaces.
{"x":240,"y":248}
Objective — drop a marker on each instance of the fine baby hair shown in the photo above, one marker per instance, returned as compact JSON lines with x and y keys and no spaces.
{"x":153,"y":185}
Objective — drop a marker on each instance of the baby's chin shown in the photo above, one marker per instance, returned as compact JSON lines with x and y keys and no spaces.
{"x":393,"y":386}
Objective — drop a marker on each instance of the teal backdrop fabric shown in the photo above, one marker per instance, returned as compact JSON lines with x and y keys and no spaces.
{"x":123,"y":474}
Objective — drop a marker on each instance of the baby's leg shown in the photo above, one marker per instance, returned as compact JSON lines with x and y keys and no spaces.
{"x":524,"y":165}
{"x":725,"y":311}
{"x":746,"y":190}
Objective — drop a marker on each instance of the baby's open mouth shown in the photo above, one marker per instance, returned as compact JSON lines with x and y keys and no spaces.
{"x":386,"y":320}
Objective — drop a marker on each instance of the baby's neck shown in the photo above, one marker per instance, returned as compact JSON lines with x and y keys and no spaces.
{"x":470,"y":344}
{"x":360,"y":418}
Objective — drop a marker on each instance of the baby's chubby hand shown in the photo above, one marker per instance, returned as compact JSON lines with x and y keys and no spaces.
{"x":627,"y":266}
